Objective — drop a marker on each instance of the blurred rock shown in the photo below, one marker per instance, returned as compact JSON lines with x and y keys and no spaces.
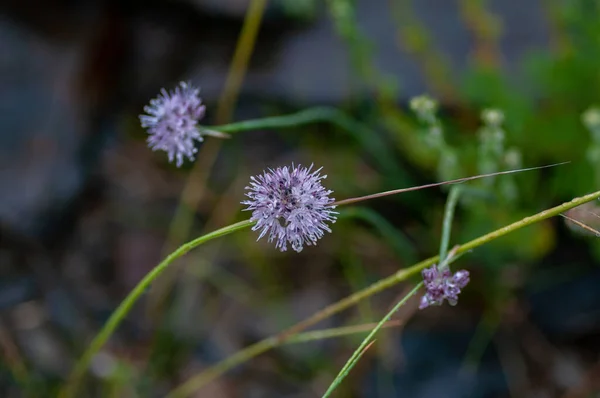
{"x":15,"y":290}
{"x":44,"y":351}
{"x":432,"y":368}
{"x":39,"y":169}
{"x":311,"y":64}
{"x":569,"y":308}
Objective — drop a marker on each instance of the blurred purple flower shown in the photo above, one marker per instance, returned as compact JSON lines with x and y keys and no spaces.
{"x":172,"y":120}
{"x":291,"y":205}
{"x":441,"y":284}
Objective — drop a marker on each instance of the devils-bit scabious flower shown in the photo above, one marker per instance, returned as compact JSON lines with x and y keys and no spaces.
{"x":291,"y":205}
{"x":172,"y":120}
{"x":441,"y":284}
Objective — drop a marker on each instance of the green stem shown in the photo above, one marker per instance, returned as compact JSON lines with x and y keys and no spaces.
{"x":119,"y":314}
{"x":356,"y":355}
{"x":364,"y":135}
{"x":265,"y":345}
{"x":323,"y":334}
{"x":307,"y":116}
{"x":199,"y":380}
{"x":448,"y":217}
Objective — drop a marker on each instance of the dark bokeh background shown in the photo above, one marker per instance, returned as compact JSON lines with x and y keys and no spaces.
{"x":86,"y":209}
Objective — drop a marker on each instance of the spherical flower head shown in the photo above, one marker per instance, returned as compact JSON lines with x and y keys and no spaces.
{"x":441,"y":285}
{"x":291,"y":206}
{"x":172,"y":120}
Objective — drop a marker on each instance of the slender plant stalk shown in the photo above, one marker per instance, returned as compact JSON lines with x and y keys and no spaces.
{"x":358,"y":353}
{"x":119,"y":314}
{"x":582,"y":225}
{"x":448,"y":217}
{"x":337,"y":332}
{"x":307,"y":116}
{"x":437,"y":184}
{"x":201,"y":379}
{"x":241,"y":57}
{"x":363,"y":135}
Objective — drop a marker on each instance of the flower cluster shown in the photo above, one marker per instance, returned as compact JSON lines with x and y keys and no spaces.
{"x":291,"y":205}
{"x":172,"y":120}
{"x":441,"y":284}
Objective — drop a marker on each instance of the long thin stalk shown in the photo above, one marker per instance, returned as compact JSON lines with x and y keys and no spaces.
{"x":582,"y":225}
{"x":300,"y":118}
{"x":119,"y":314}
{"x":362,"y":133}
{"x":367,"y":340}
{"x":437,"y":184}
{"x":201,"y":379}
{"x":241,"y":58}
{"x":448,"y":217}
{"x":323,"y":334}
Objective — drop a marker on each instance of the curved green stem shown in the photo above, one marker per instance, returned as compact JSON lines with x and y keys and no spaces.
{"x":123,"y":309}
{"x":368,"y":340}
{"x":306,"y":116}
{"x":448,"y":217}
{"x":201,"y":379}
{"x":364,"y":135}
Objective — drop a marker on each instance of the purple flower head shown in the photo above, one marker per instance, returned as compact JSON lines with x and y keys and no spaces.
{"x":172,"y":120}
{"x":441,"y":284}
{"x":291,"y":205}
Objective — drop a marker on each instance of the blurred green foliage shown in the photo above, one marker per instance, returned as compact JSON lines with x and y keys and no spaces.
{"x":541,"y":109}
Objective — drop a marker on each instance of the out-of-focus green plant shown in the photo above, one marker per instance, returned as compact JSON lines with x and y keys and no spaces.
{"x":299,"y":9}
{"x":448,"y":164}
